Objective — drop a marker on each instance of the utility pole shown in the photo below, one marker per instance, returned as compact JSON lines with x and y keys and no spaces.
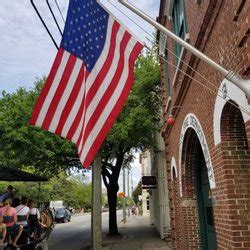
{"x":124,"y":199}
{"x":128,"y":194}
{"x":243,"y":84}
{"x":96,"y":218}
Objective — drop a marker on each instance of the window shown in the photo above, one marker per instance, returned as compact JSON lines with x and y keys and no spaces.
{"x":168,"y":89}
{"x":179,"y":24}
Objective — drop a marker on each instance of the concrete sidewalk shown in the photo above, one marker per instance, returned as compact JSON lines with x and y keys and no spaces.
{"x":136,"y":234}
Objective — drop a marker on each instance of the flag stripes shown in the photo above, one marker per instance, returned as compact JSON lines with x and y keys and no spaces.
{"x":80,"y":106}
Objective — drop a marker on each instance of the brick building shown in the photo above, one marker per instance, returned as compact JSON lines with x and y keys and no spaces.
{"x":207,"y":148}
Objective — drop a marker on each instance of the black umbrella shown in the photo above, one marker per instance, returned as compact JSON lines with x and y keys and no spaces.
{"x":14,"y":174}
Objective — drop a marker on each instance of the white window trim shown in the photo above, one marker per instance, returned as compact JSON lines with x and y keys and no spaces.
{"x":169,"y":8}
{"x":183,"y":51}
{"x":168,"y":104}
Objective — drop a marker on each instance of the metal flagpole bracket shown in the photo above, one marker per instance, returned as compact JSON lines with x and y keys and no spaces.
{"x":243,"y":84}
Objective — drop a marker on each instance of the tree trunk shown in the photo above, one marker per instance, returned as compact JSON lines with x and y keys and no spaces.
{"x":112,"y":189}
{"x":112,"y":201}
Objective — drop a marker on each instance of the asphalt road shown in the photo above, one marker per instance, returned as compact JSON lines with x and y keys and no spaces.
{"x":76,"y":234}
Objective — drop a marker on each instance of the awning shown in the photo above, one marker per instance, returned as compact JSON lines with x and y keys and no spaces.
{"x":14,"y":174}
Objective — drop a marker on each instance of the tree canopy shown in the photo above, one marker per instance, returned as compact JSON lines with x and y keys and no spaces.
{"x":134,"y":128}
{"x":23,"y":145}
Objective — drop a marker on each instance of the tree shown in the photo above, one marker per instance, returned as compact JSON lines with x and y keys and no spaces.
{"x":137,"y":192}
{"x":24,"y":145}
{"x":133,"y":129}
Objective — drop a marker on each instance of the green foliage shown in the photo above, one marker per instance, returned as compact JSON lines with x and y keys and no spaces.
{"x":137,"y":192}
{"x":134,"y":128}
{"x":136,"y":125}
{"x":74,"y":191}
{"x":24,"y":145}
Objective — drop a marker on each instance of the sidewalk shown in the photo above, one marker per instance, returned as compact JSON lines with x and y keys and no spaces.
{"x":136,"y":234}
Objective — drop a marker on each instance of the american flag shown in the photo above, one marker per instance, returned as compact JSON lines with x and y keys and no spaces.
{"x":90,"y":79}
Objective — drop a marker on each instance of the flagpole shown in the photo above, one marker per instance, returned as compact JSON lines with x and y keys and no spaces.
{"x":96,"y":218}
{"x":243,"y":84}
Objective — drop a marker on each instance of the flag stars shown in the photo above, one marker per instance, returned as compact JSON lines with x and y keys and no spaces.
{"x":85,"y":32}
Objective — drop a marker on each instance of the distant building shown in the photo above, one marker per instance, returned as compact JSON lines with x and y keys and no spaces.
{"x":145,"y":171}
{"x":207,"y":148}
{"x":155,"y":201}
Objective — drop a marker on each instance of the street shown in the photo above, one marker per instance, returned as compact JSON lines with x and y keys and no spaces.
{"x":76,"y":234}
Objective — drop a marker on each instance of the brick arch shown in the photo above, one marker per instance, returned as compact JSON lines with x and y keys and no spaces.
{"x":238,"y":97}
{"x":192,"y":122}
{"x":190,"y":229}
{"x":236,"y":176}
{"x":191,"y":144}
{"x":174,"y":172}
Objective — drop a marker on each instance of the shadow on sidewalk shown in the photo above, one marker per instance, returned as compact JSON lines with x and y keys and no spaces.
{"x":136,"y":233}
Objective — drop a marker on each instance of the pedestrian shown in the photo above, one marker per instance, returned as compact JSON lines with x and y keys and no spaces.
{"x":23,"y":212}
{"x":34,"y":220}
{"x":133,"y":210}
{"x":2,"y":231}
{"x":10,"y":193}
{"x":10,"y":218}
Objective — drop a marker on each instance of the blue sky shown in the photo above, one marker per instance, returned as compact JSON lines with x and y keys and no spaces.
{"x":26,"y":50}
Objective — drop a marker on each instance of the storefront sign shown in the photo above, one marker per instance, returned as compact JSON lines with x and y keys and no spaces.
{"x":148,"y":182}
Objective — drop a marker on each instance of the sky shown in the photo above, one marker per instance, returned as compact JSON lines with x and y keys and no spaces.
{"x":26,"y":49}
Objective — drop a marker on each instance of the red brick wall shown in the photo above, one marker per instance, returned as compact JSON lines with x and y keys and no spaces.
{"x":220,"y":29}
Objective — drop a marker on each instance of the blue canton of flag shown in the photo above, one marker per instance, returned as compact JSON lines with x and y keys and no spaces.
{"x":85,"y":33}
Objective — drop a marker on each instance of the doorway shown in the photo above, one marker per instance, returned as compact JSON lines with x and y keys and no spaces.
{"x":205,"y":204}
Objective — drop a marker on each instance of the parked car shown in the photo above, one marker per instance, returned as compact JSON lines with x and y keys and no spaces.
{"x":62,"y":215}
{"x":105,"y":208}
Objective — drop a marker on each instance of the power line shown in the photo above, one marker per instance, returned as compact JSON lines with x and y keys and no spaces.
{"x":52,"y":13}
{"x":44,"y":24}
{"x":58,"y":7}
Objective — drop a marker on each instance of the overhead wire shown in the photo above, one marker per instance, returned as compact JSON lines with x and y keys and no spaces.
{"x":59,"y":9}
{"x":53,"y":15}
{"x":44,"y":24}
{"x":198,"y":73}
